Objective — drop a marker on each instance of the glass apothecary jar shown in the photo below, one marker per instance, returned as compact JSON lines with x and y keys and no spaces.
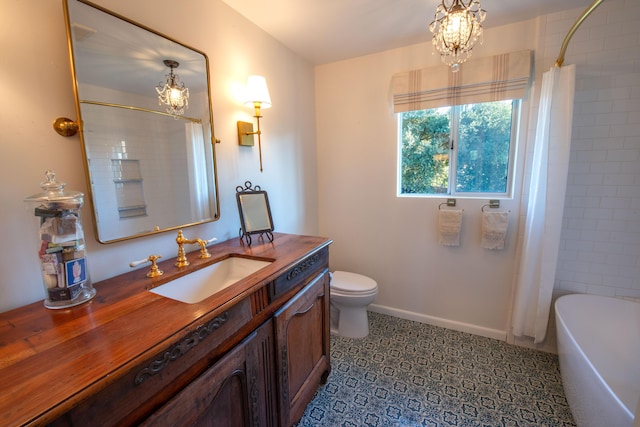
{"x":62,"y":252}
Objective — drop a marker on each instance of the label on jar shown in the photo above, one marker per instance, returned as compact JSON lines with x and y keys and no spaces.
{"x":75,"y":271}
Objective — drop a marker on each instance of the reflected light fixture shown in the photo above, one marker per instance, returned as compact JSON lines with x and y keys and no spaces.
{"x":456,"y":28}
{"x":256,"y":96}
{"x":172,"y":92}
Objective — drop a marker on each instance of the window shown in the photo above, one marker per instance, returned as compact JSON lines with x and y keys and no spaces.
{"x":462,"y":150}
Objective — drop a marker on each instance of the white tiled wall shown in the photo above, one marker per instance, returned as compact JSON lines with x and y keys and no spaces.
{"x":600,"y":241}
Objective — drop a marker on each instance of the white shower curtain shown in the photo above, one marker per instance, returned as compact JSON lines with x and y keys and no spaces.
{"x":536,"y":276}
{"x":198,"y":184}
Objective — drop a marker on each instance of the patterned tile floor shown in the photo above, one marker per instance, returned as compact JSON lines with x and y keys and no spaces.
{"x":412,"y":374}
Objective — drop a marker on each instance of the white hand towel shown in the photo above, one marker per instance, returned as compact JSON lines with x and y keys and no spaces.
{"x":494,"y":229}
{"x":449,"y":225}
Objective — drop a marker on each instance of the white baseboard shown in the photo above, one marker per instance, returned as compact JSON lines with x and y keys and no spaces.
{"x":437,"y":321}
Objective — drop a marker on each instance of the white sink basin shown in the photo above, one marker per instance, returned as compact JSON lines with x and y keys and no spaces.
{"x":196,"y":286}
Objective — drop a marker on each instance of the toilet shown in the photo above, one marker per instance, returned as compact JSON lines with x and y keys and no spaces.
{"x":350,"y":295}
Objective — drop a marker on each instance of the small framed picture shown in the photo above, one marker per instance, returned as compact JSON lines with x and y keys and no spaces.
{"x":75,"y":271}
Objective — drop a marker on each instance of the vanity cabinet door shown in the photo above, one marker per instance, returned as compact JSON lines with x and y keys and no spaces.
{"x":238,"y":390}
{"x":302,"y":343}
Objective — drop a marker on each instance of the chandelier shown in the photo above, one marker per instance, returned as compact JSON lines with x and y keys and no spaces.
{"x":172,"y":92}
{"x":456,"y":28}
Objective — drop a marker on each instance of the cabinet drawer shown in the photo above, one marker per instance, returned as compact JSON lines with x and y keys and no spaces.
{"x":207,"y":335}
{"x":303,"y":270}
{"x":234,"y":391}
{"x":149,"y":384}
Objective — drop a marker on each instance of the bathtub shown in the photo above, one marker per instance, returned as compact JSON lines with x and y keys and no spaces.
{"x":599,"y":353}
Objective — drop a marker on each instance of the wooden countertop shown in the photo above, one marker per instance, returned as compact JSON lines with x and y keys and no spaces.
{"x":52,"y":359}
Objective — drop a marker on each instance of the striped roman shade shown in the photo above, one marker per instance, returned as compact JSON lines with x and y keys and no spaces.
{"x":487,"y":79}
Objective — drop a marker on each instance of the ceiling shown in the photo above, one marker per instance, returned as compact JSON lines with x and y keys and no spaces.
{"x":331,"y":30}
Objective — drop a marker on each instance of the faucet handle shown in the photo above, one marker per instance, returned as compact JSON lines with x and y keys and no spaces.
{"x":137,"y":263}
{"x":154,"y":271}
{"x":204,"y":253}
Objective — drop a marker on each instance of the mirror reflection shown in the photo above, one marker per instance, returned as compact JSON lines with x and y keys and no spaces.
{"x":255,"y":214}
{"x":146,"y":125}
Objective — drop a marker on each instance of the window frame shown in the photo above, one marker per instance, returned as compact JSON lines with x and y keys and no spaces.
{"x":516,"y":118}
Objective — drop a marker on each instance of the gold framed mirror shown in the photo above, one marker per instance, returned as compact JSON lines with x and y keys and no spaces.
{"x":150,"y":166}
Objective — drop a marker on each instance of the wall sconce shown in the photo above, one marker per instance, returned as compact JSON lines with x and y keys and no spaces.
{"x":172,"y":92}
{"x":256,"y":96}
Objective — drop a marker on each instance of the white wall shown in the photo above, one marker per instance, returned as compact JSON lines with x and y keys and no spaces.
{"x":394,"y":240}
{"x":35,"y":81}
{"x":391,"y":239}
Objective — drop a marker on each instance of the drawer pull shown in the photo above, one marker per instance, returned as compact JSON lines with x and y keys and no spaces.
{"x":179,"y":349}
{"x":304,"y":265}
{"x":305,"y":311}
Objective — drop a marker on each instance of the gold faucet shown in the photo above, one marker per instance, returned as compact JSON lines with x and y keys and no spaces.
{"x":182,"y":261}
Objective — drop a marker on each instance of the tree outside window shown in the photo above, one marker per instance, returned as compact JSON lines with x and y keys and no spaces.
{"x":458,"y":150}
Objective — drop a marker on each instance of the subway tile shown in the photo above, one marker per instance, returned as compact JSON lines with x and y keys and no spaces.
{"x":619,"y":179}
{"x":622,"y":238}
{"x":615,"y":203}
{"x":605,"y":167}
{"x":611,"y":119}
{"x":611,"y":94}
{"x":590,"y":132}
{"x":629,"y":293}
{"x":573,"y":286}
{"x":588,"y":278}
{"x":598,"y":213}
{"x":606,"y":291}
{"x":585,"y":202}
{"x":624,"y":155}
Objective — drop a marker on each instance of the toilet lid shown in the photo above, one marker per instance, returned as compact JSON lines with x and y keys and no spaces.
{"x":352,"y":282}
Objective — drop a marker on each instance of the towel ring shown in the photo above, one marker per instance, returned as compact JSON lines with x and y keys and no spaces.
{"x":484,"y":206}
{"x":446,"y":204}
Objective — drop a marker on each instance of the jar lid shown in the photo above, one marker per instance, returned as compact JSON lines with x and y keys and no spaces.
{"x":54,"y":191}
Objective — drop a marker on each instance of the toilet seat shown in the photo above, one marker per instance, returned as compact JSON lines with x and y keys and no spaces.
{"x":347,"y":294}
{"x":346,"y":283}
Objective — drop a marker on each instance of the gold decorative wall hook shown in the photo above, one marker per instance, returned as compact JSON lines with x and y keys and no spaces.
{"x":65,"y":127}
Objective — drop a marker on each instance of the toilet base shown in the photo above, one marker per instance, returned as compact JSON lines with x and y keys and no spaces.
{"x":353,"y":323}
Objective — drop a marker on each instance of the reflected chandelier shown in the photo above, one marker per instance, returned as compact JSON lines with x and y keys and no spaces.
{"x":456,"y":28}
{"x":172,"y":92}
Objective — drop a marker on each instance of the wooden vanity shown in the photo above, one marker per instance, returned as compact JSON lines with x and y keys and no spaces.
{"x":252,"y":354}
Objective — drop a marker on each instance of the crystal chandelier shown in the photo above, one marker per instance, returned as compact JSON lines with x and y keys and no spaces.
{"x":172,"y":92}
{"x":456,"y":28}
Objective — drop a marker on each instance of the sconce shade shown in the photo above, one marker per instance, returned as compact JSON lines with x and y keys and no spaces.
{"x":256,"y":96}
{"x":257,"y":92}
{"x":172,"y":92}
